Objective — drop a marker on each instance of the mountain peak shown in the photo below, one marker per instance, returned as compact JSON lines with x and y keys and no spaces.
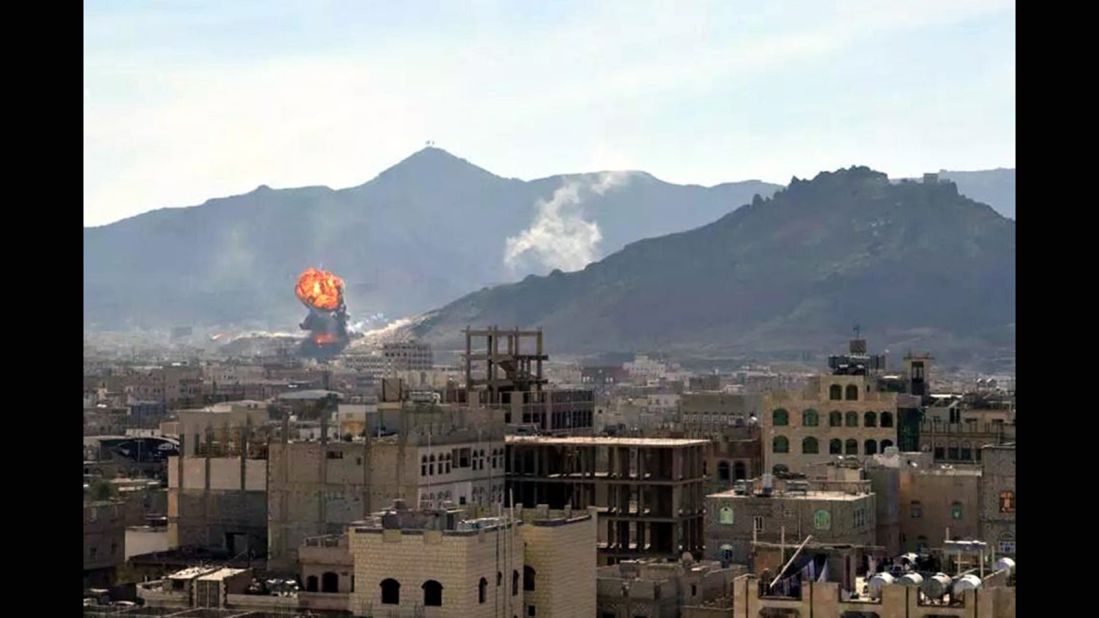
{"x":432,"y":162}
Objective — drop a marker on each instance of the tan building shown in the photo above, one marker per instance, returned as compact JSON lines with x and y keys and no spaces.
{"x":997,"y":506}
{"x":955,"y":427}
{"x":104,"y":542}
{"x":937,"y":504}
{"x":659,"y":589}
{"x":435,"y":564}
{"x":559,"y":561}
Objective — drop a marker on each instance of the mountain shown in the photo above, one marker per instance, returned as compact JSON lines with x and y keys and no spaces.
{"x":993,"y":187}
{"x":915,"y":265}
{"x":421,"y":233}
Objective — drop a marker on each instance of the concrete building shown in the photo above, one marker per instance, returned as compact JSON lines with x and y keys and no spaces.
{"x":407,"y":356}
{"x":938,"y":503}
{"x":884,"y":471}
{"x":649,"y":490}
{"x":847,"y":412}
{"x":659,"y":589}
{"x":787,"y":512}
{"x":997,"y":495}
{"x":707,"y":412}
{"x":559,"y":561}
{"x":104,"y":542}
{"x":954,"y":428}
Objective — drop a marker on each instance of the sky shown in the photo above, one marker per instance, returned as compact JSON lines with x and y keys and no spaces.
{"x":189,"y":100}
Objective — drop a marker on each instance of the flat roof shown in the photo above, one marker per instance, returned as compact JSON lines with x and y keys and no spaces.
{"x":603,"y":441}
{"x":221,"y":574}
{"x":809,"y":495}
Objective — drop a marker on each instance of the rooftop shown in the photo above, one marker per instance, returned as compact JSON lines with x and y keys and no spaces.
{"x":604,"y":441}
{"x":789,"y":495}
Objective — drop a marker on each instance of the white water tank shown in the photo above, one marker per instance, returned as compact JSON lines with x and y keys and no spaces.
{"x":1005,"y":564}
{"x":936,"y":586}
{"x":876,"y":582}
{"x":963,"y":583}
{"x":914,"y":580}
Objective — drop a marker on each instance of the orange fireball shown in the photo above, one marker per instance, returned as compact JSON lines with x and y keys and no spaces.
{"x":320,"y":289}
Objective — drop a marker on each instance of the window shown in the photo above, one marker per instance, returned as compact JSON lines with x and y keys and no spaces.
{"x":852,"y":393}
{"x":92,"y":552}
{"x":870,"y":447}
{"x":514,"y":583}
{"x":955,"y":415}
{"x":757,"y":523}
{"x":725,"y":516}
{"x":822,"y":520}
{"x":780,"y":418}
{"x":915,"y":509}
{"x":851,"y":447}
{"x":499,"y":578}
{"x":810,"y":418}
{"x":940,"y":452}
{"x":1007,"y":502}
{"x":423,"y":466}
{"x":835,"y":392}
{"x":391,"y":592}
{"x":886,"y":444}
{"x":852,"y":419}
{"x":114,"y":548}
{"x":921,"y":543}
{"x":780,"y":445}
{"x":433,"y":593}
{"x":1007,"y":544}
{"x":726,"y":553}
{"x":311,"y":583}
{"x":835,"y":418}
{"x":886,"y":419}
{"x":482,"y":590}
{"x":330,"y":582}
{"x":835,"y":446}
{"x":952,"y":451}
{"x":967,"y":451}
{"x":870,"y":419}
{"x":956,"y":510}
{"x":530,"y":610}
{"x":739,"y":471}
{"x":723,"y":470}
{"x":528,"y":578}
{"x":809,"y":446}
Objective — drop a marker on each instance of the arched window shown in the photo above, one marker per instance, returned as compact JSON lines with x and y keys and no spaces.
{"x":739,"y":471}
{"x":809,"y":446}
{"x":967,"y":451}
{"x":528,"y":578}
{"x":423,"y":466}
{"x":835,"y":418}
{"x":810,"y":418}
{"x":311,"y":583}
{"x":1007,"y":502}
{"x":431,"y":465}
{"x":886,"y":419}
{"x":330,"y":582}
{"x":956,"y":510}
{"x":514,"y":583}
{"x":780,"y":445}
{"x":780,"y":418}
{"x":852,"y":419}
{"x":391,"y":592}
{"x":723,"y":470}
{"x":852,"y":393}
{"x":851,"y":447}
{"x":726,"y":554}
{"x":835,"y":392}
{"x":725,"y":515}
{"x":835,"y":446}
{"x":870,"y":419}
{"x":886,"y":443}
{"x":482,"y":590}
{"x":870,"y":447}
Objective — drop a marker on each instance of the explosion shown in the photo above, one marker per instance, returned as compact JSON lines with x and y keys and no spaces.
{"x":322,"y":293}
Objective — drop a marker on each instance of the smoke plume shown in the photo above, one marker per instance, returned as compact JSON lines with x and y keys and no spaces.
{"x":559,"y":236}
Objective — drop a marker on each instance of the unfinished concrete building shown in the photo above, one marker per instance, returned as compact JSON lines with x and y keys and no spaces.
{"x":649,"y":490}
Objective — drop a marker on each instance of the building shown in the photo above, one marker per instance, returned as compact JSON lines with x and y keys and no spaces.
{"x":884,"y":471}
{"x":787,"y":512}
{"x":847,"y":412}
{"x":648,"y":490}
{"x":954,"y":428}
{"x":407,"y":356}
{"x":997,"y":492}
{"x":416,"y":562}
{"x":937,"y":504}
{"x":659,"y":589}
{"x":559,"y":561}
{"x":104,"y":542}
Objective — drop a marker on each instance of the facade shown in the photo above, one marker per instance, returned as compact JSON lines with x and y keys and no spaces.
{"x":937,"y":504}
{"x":997,"y":506}
{"x":104,"y":542}
{"x":708,"y":412}
{"x":649,"y":490}
{"x":407,"y":356}
{"x":559,"y":561}
{"x":884,"y":471}
{"x":659,"y":589}
{"x":736,"y":519}
{"x":954,"y":428}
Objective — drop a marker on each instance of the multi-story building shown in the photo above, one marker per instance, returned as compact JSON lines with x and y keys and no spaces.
{"x":997,"y":506}
{"x":842,"y":413}
{"x":660,"y":589}
{"x":649,"y":490}
{"x":407,"y":356}
{"x":955,"y":427}
{"x":839,"y":511}
{"x":938,"y":503}
{"x":104,"y":542}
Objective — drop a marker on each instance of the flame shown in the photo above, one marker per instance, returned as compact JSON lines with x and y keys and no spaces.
{"x":324,"y":338}
{"x":320,"y":289}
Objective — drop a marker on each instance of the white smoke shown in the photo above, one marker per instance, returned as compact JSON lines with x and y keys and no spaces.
{"x":560,"y":237}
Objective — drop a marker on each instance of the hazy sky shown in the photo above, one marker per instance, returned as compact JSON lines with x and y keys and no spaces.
{"x":184,"y":101}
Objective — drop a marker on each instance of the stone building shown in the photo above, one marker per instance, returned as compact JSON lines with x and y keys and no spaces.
{"x":787,"y":512}
{"x":659,"y":589}
{"x":559,"y":557}
{"x":938,"y":503}
{"x":997,"y":492}
{"x":955,"y":427}
{"x":104,"y":542}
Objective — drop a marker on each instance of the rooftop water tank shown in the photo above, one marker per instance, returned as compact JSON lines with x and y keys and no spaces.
{"x":914,"y":580}
{"x":876,"y":582}
{"x":963,"y":583}
{"x":1005,"y":564}
{"x":936,"y":586}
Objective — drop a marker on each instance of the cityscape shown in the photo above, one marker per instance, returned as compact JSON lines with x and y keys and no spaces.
{"x":451,"y":392}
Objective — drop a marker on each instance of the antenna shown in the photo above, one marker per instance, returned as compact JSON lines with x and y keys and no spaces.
{"x":858,"y":330}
